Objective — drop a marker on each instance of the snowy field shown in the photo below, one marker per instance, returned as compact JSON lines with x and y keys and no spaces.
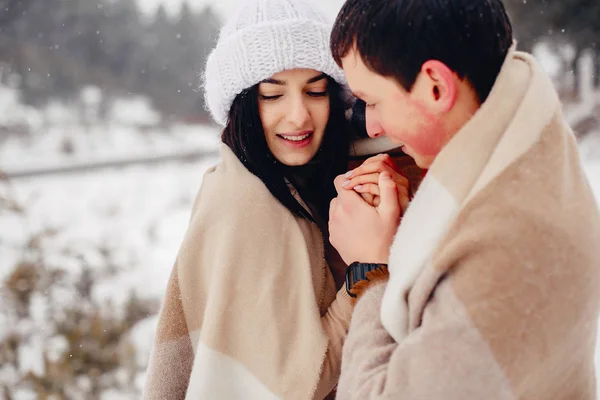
{"x":124,"y":224}
{"x":137,"y":214}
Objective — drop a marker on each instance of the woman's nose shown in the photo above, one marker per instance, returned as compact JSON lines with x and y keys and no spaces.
{"x":298,"y":114}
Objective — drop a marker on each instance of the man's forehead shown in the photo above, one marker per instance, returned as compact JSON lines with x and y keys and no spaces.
{"x":352,"y":59}
{"x":355,"y":69}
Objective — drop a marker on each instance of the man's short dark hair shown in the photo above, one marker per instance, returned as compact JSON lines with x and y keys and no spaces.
{"x":395,"y":37}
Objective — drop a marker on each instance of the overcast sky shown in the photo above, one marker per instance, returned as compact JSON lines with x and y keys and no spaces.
{"x":226,"y":6}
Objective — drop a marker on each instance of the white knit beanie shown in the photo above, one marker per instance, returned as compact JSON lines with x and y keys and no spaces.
{"x":263,"y":38}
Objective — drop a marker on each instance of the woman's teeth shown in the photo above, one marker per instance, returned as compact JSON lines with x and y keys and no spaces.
{"x":295,"y":138}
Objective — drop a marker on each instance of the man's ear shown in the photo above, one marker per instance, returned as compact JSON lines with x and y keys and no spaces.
{"x":441,"y":85}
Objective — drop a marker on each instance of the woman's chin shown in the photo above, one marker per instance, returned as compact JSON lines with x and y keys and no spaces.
{"x":296,"y":159}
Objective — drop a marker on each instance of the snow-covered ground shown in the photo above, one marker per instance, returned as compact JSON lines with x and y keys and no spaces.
{"x":65,"y":146}
{"x":137,"y":214}
{"x":130,"y":219}
{"x":64,"y":134}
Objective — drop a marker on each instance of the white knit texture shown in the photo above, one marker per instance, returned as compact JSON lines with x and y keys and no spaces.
{"x":263,"y":38}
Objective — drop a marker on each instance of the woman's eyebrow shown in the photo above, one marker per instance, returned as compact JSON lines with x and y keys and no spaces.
{"x":316,"y":78}
{"x":274,"y":82}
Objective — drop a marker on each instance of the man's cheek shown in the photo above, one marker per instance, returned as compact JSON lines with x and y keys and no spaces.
{"x":432,"y":133}
{"x":429,"y":138}
{"x":426,"y":144}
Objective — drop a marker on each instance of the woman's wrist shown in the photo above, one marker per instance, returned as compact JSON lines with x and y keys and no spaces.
{"x":360,"y":276}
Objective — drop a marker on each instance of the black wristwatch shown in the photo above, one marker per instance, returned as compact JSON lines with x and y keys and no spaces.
{"x":357,"y":271}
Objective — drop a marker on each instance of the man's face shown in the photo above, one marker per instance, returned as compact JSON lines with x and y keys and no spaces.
{"x":407,"y":118}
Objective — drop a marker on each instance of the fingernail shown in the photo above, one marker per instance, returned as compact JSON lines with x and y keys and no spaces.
{"x":358,"y":187}
{"x":348,"y":174}
{"x":386,"y":175}
{"x":346,"y":184}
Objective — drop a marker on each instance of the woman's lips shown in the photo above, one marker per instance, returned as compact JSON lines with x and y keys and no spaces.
{"x":296,"y":139}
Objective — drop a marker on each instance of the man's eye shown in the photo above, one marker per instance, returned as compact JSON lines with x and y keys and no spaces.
{"x":267,"y":98}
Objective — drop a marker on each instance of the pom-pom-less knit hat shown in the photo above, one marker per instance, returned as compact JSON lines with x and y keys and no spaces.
{"x":263,"y":38}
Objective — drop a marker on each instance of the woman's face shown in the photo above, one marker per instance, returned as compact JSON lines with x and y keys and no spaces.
{"x":294,"y":110}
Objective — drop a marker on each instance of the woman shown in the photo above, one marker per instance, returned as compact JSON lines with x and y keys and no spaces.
{"x":253,"y":310}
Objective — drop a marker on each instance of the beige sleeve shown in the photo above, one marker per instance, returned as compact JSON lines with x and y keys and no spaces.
{"x":335,"y":324}
{"x":445,"y":358}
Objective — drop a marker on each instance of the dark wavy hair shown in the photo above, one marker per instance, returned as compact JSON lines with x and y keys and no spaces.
{"x":244,"y":134}
{"x":395,"y":37}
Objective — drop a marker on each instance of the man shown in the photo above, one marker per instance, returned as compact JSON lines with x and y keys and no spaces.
{"x":493,"y":289}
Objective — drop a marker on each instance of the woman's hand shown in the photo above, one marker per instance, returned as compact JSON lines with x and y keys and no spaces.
{"x":364,"y":180}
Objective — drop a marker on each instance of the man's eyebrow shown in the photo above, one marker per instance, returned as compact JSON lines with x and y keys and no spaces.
{"x":274,"y":82}
{"x":317,"y":78}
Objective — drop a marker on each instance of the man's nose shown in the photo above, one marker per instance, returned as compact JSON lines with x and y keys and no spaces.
{"x":374,"y":128}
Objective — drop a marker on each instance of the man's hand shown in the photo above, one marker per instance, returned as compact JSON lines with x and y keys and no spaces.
{"x":364,"y":180}
{"x":359,"y":231}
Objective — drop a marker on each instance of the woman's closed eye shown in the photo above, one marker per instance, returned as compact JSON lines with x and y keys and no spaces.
{"x":270,"y":98}
{"x":317,"y":94}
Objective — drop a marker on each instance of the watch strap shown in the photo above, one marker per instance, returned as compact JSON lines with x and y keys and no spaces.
{"x":357,"y":272}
